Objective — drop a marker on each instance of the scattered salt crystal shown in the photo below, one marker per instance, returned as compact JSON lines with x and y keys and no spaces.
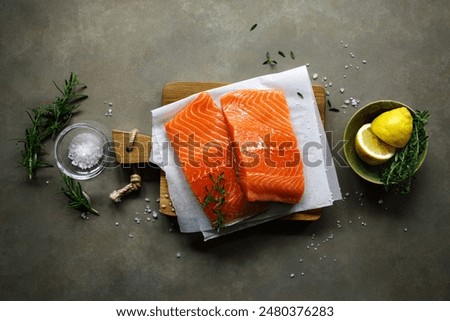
{"x":380,"y":201}
{"x":110,"y":103}
{"x":346,"y":46}
{"x":178,"y":255}
{"x":117,"y":224}
{"x":342,"y":90}
{"x":405,"y":229}
{"x":130,"y":236}
{"x":147,"y":199}
{"x":307,"y":65}
{"x":292,"y":275}
{"x":346,"y":66}
{"x":85,"y":150}
{"x":324,"y":78}
{"x":364,"y":61}
{"x":315,"y":76}
{"x":155,"y":214}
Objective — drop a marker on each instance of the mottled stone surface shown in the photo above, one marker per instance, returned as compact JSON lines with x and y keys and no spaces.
{"x":125,"y":51}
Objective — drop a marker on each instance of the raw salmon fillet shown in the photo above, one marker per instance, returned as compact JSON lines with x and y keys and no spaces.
{"x":200,"y":139}
{"x":269,"y":162}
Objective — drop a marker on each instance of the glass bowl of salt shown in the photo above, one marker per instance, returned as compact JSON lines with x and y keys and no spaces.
{"x":81,"y":151}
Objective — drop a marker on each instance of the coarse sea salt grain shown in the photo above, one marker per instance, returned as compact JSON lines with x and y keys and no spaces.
{"x":85,"y":150}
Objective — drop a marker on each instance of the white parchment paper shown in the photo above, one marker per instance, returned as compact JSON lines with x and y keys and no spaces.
{"x":321,"y":183}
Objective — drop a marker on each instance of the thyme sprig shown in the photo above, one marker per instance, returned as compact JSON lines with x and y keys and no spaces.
{"x":48,"y":120}
{"x":78,"y":199}
{"x":401,"y":170}
{"x":216,"y":196}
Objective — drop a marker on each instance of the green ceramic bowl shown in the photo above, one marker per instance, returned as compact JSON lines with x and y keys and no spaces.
{"x":365,"y":115}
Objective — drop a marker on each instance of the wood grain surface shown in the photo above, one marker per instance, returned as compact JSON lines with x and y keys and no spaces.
{"x":140,"y":151}
{"x":179,"y":90}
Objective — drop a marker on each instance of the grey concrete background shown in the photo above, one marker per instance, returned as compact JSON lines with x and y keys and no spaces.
{"x":125,"y":51}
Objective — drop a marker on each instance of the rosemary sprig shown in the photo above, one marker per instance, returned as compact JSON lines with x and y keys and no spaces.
{"x":401,"y":170}
{"x":48,"y":120}
{"x":216,"y":195}
{"x":78,"y":199}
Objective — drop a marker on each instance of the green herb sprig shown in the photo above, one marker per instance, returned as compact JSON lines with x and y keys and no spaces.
{"x":401,"y":170}
{"x":48,"y":120}
{"x":216,"y":195}
{"x":269,"y":60}
{"x":78,"y":199}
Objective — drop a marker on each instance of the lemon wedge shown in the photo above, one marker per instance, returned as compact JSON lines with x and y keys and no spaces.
{"x":394,"y":127}
{"x":370,"y":148}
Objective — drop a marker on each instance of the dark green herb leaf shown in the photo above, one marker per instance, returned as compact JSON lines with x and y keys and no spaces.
{"x":253,"y":27}
{"x":282,"y":54}
{"x":300,"y":95}
{"x":292,"y":55}
{"x":334,"y":109}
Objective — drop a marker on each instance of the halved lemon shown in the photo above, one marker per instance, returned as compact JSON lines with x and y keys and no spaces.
{"x":370,"y":148}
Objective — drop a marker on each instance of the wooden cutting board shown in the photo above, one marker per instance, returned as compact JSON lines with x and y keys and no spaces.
{"x":179,"y":90}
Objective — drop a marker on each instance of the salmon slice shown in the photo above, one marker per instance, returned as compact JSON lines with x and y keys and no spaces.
{"x":269,"y":162}
{"x":200,"y":139}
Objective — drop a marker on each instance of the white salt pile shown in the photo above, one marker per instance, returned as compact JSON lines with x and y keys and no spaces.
{"x":85,"y":150}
